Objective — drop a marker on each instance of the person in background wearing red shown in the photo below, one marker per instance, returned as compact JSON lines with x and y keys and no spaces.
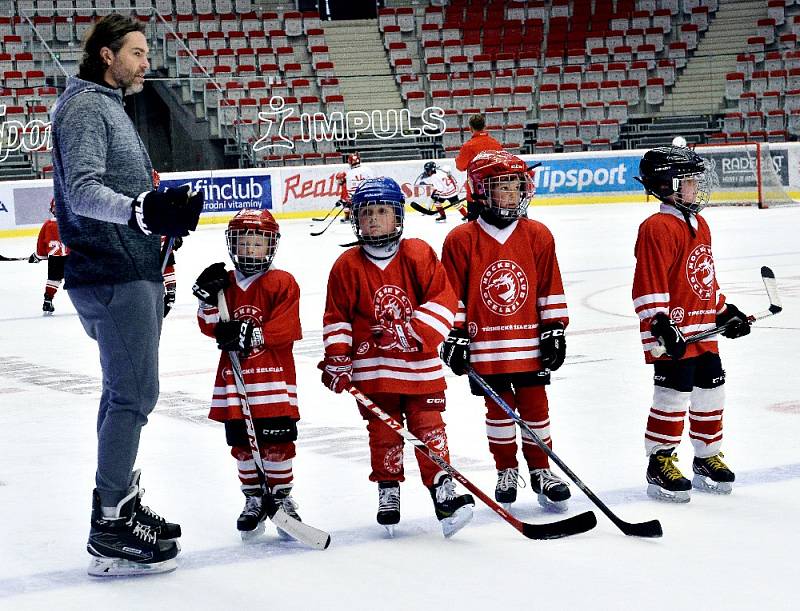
{"x":479,"y":142}
{"x":49,"y":246}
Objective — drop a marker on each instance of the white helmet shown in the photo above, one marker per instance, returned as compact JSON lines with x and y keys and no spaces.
{"x":679,"y":141}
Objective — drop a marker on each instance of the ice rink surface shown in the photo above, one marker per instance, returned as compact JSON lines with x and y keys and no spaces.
{"x":718,"y":552}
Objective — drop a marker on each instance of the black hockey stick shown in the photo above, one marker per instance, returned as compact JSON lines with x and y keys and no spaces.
{"x":775,"y":307}
{"x":2,"y":258}
{"x":329,"y":223}
{"x":554,"y":530}
{"x":335,"y":206}
{"x":300,"y":531}
{"x":430,"y":212}
{"x":641,"y":529}
{"x":166,"y":254}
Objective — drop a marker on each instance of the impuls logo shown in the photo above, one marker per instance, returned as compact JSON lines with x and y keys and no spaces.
{"x":15,"y":135}
{"x":318,"y":127}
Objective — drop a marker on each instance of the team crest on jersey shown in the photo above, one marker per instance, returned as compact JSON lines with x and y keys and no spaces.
{"x":472,"y":329}
{"x":677,"y":314}
{"x":436,"y":440}
{"x":251,"y":313}
{"x":393,"y":460}
{"x":504,"y":287}
{"x":392,"y":303}
{"x":700,"y":271}
{"x":362,"y":349}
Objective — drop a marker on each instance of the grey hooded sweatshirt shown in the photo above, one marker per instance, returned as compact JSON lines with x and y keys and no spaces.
{"x":99,"y":166}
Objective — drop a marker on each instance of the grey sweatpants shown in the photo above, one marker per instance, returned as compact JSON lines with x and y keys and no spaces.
{"x":125,"y":321}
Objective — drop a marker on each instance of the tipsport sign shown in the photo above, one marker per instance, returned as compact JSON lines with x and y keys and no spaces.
{"x":570,"y":176}
{"x":16,"y":136}
{"x":229,"y":193}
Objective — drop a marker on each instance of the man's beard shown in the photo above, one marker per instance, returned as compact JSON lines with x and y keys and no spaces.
{"x":127,"y":81}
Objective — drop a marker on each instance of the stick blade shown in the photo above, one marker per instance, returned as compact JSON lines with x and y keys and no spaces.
{"x":563,"y":528}
{"x":651,"y":529}
{"x":771,"y":285}
{"x":300,"y":531}
{"x":767,"y":273}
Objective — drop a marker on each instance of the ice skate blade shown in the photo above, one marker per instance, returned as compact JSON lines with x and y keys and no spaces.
{"x":47,"y":313}
{"x":457,"y":521}
{"x":706,"y":484}
{"x":119,"y":567}
{"x":660,"y":494}
{"x":389,"y":530}
{"x":554,"y":506}
{"x":506,"y":506}
{"x":250,"y":535}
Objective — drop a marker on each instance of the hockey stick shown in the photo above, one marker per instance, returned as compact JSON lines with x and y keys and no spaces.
{"x":554,"y":530}
{"x":167,"y":253}
{"x":335,"y":206}
{"x":329,"y":223}
{"x":775,"y":307}
{"x":430,"y":212}
{"x":641,"y":529}
{"x":2,"y":258}
{"x":300,"y":531}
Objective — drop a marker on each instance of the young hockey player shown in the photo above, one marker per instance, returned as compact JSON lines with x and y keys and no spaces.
{"x":675,"y":294}
{"x":264,"y":308}
{"x":511,"y":317}
{"x":444,"y":190}
{"x":348,"y":182}
{"x":388,"y":307}
{"x":49,"y":246}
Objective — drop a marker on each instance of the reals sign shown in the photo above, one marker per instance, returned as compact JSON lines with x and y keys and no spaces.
{"x":229,"y":193}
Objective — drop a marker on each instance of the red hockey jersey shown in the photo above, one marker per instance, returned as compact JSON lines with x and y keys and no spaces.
{"x":410,"y":288}
{"x":271,"y":300}
{"x":675,"y":275}
{"x":49,"y":242}
{"x":507,"y":282}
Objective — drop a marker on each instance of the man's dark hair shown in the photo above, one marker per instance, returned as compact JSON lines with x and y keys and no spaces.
{"x":108,"y":32}
{"x":477,"y":122}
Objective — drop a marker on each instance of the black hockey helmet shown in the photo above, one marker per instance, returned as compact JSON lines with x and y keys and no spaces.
{"x":430,"y":168}
{"x":675,"y":175}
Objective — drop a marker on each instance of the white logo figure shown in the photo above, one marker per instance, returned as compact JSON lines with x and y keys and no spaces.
{"x":278,"y":109}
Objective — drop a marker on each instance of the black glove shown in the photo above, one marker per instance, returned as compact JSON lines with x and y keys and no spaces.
{"x":666,"y":332}
{"x":173,"y":212}
{"x":455,"y":351}
{"x":437,"y":199}
{"x":34,"y":258}
{"x":736,"y":321}
{"x":552,"y":345}
{"x":210,"y":282}
{"x":239,"y":335}
{"x":169,"y":300}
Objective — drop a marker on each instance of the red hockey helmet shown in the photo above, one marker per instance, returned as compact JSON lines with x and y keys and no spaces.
{"x":354,"y":159}
{"x":502,"y":182}
{"x":252,"y":238}
{"x":341,"y":178}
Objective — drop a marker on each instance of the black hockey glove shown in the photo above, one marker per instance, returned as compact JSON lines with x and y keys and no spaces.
{"x":437,"y":199}
{"x":735,"y":321}
{"x":169,"y":300}
{"x":239,"y":335}
{"x":210,"y":282}
{"x":668,"y":335}
{"x":552,"y":345}
{"x":173,"y":212}
{"x":455,"y":351}
{"x":34,"y":258}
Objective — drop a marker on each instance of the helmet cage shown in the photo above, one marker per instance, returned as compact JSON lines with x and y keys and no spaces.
{"x":701,"y":190}
{"x":486,"y":187}
{"x":365,"y":209}
{"x":244,"y":255}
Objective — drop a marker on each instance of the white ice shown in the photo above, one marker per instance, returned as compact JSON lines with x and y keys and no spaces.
{"x":718,"y":552}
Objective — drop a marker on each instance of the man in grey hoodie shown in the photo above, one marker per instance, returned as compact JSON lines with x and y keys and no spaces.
{"x":111,"y":219}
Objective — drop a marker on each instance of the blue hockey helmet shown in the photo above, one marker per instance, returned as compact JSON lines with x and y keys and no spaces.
{"x":371,"y":193}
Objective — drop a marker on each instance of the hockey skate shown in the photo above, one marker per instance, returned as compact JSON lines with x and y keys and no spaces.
{"x":441,"y":219}
{"x":167,"y":531}
{"x":551,"y":491}
{"x":666,"y":482}
{"x":251,"y":521}
{"x":505,"y":492}
{"x":47,"y":306}
{"x":122,"y":545}
{"x":388,"y":505}
{"x":453,"y":510}
{"x":284,"y":500}
{"x":712,"y":475}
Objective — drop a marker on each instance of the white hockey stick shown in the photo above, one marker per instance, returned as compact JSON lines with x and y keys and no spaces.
{"x":775,"y":307}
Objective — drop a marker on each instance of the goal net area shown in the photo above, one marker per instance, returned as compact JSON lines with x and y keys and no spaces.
{"x":749,"y":174}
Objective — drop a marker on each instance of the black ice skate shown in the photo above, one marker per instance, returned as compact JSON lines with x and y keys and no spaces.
{"x":666,"y":482}
{"x":441,"y":219}
{"x":388,"y":505}
{"x":251,"y":521}
{"x":505,"y":492}
{"x":551,"y":491}
{"x":712,"y":475}
{"x":284,"y":500}
{"x":453,"y":510}
{"x":123,"y":545}
{"x":166,"y":530}
{"x":47,"y":306}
